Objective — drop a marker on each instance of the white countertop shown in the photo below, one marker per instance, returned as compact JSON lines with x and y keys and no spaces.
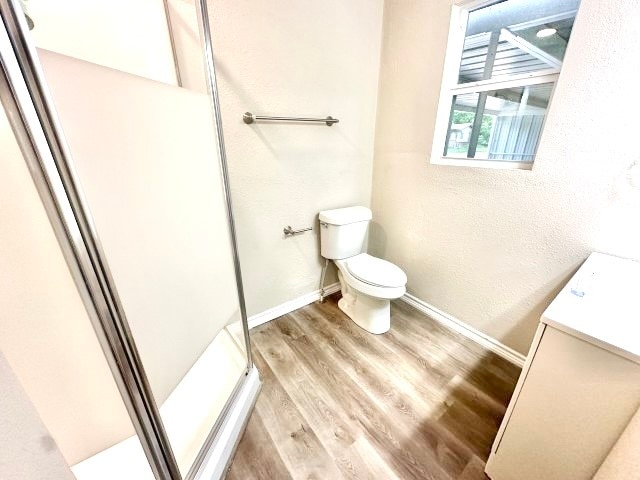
{"x":601,"y":305}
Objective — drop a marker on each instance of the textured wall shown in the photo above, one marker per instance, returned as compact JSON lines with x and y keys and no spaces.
{"x":492,"y":247}
{"x":27,"y":451}
{"x":623,"y":461}
{"x":296,"y":58}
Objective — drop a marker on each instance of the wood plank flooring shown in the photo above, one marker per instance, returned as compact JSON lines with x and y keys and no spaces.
{"x":419,"y":402}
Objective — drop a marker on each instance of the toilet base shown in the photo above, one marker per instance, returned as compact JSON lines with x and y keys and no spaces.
{"x":369,"y":313}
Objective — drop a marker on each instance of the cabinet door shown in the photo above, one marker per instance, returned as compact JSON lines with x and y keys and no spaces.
{"x":575,"y":402}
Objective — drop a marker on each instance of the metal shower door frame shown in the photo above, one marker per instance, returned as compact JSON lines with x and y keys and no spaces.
{"x":202,"y":13}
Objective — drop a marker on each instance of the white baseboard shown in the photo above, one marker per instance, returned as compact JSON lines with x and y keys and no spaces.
{"x":468,"y":331}
{"x":439,"y":316}
{"x":290,"y":306}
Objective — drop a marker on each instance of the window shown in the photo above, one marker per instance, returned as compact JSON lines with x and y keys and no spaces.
{"x":502,"y":64}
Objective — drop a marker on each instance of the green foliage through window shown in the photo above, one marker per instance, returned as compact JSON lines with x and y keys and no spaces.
{"x":485,"y":128}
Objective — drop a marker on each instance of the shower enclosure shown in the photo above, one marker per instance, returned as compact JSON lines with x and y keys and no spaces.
{"x":129,"y":162}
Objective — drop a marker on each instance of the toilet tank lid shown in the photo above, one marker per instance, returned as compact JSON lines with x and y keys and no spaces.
{"x":344,"y":216}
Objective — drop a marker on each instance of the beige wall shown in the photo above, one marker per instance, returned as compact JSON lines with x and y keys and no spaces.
{"x":27,"y":451}
{"x":45,"y":332}
{"x":297,"y":58}
{"x":129,"y":35}
{"x":492,"y":247}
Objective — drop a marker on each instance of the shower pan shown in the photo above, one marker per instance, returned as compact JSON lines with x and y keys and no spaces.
{"x":133,"y":175}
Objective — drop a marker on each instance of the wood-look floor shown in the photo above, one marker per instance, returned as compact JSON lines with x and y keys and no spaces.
{"x":419,"y":402}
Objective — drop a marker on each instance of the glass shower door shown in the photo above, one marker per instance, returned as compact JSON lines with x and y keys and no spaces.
{"x":49,"y":351}
{"x":142,"y":157}
{"x":145,"y":159}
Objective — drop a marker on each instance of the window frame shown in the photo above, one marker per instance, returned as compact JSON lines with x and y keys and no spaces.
{"x":449,"y":87}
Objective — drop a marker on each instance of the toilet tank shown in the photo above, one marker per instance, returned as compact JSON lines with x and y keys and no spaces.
{"x":343,"y":232}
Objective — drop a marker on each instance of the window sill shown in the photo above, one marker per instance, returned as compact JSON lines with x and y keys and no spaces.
{"x":493,"y":164}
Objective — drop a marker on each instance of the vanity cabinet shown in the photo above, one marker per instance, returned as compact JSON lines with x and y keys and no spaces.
{"x":580,"y":385}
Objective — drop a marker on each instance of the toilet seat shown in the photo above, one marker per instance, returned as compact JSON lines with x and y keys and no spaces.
{"x":376,"y":271}
{"x":365,"y":302}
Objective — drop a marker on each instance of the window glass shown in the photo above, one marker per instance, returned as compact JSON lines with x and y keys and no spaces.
{"x":497,"y":88}
{"x":510,"y":127}
{"x":516,"y":37}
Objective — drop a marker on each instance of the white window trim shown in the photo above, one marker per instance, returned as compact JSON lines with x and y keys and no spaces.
{"x":544,"y":76}
{"x":455,"y":45}
{"x":480,"y":163}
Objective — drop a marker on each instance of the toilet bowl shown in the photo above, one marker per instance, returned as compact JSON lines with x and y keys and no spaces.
{"x":367,"y":283}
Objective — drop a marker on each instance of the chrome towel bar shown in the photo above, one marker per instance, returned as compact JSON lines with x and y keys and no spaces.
{"x":288,"y":231}
{"x":250,"y":118}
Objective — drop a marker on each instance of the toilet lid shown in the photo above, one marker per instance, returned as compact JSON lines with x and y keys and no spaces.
{"x":376,"y":271}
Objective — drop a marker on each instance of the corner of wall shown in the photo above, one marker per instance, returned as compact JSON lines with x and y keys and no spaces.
{"x":376,"y":231}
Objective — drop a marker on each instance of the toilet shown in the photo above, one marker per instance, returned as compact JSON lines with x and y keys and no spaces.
{"x":367,"y":283}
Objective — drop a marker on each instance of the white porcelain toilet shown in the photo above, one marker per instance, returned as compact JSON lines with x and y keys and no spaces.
{"x":367,"y":283}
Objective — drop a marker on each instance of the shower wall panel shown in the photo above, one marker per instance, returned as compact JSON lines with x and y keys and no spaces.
{"x":147,"y":161}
